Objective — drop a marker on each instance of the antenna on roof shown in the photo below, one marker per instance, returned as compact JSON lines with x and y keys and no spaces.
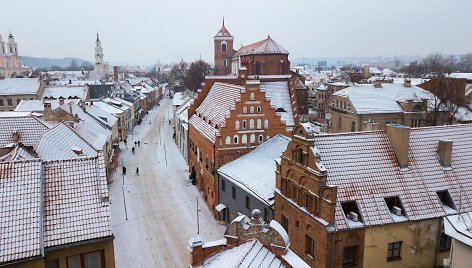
{"x":223,"y":21}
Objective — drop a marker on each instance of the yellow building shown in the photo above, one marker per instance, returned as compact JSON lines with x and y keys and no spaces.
{"x":373,"y":106}
{"x":373,"y":199}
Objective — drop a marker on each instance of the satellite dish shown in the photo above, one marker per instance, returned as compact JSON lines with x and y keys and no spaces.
{"x":328,"y":116}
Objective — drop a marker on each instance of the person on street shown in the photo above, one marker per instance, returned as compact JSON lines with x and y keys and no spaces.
{"x":139,"y":143}
{"x":132,"y":149}
{"x":124,"y":170}
{"x":135,"y":143}
{"x":137,"y":171}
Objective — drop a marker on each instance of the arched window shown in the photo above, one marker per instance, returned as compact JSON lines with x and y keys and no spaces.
{"x":228,"y":140}
{"x":259,"y":109}
{"x":251,"y":124}
{"x":236,"y":125}
{"x":235,"y":139}
{"x":244,"y":124}
{"x":259,"y":123}
{"x":252,"y":138}
{"x":223,"y":47}
{"x":244,"y":139}
{"x":252,"y":97}
{"x":257,"y":68}
{"x":266,"y":124}
{"x":261,"y":138}
{"x":225,"y":63}
{"x":251,"y":109}
{"x":244,"y":110}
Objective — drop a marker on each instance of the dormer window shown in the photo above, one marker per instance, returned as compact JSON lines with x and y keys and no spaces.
{"x":396,"y":208}
{"x":447,"y":202}
{"x":351,"y":211}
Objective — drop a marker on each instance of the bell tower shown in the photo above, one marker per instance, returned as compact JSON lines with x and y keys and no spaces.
{"x":99,"y":64}
{"x":223,"y":51}
{"x":12,"y":46}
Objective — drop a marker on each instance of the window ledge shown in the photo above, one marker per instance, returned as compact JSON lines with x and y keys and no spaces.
{"x":394,"y":258}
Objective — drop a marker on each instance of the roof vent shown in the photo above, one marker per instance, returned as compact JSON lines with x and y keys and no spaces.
{"x":407,"y":82}
{"x":396,"y":210}
{"x":445,"y":153}
{"x":353,"y":216}
{"x":77,"y":150}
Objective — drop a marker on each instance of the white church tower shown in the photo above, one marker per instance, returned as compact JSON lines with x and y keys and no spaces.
{"x":12,"y":46}
{"x":99,"y":64}
{"x":2,"y":46}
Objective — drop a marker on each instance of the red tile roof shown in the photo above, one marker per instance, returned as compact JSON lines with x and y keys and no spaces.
{"x":28,"y":127}
{"x":20,"y":210}
{"x":364,"y":168}
{"x":266,"y":46}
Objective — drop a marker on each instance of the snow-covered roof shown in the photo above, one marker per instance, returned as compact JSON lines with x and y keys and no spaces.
{"x":107,"y":107}
{"x":38,"y":105}
{"x":223,"y":32}
{"x":459,"y":227}
{"x":279,"y":95}
{"x":182,"y":111}
{"x":263,"y":47}
{"x":20,"y":210}
{"x":468,"y":89}
{"x":61,"y":142}
{"x":467,"y":76}
{"x":367,"y":99}
{"x":75,"y":201}
{"x":70,"y":197}
{"x":363,"y":165}
{"x":27,"y":126}
{"x":255,"y":171}
{"x":464,"y":114}
{"x":179,"y":99}
{"x":73,"y":92}
{"x":19,"y":86}
{"x":100,"y":114}
{"x":250,"y":254}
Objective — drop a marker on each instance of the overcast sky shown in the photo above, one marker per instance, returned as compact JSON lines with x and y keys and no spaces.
{"x":141,"y":31}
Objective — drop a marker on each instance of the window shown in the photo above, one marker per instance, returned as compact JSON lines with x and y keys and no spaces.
{"x":244,"y":124}
{"x":251,"y":124}
{"x":10,"y":101}
{"x":349,"y":256}
{"x":52,"y":263}
{"x":244,"y":110}
{"x":236,"y":125}
{"x":259,"y":109}
{"x":248,"y":202}
{"x":394,"y":205}
{"x":394,"y":250}
{"x":225,"y":63}
{"x":87,"y":260}
{"x":18,"y":101}
{"x":261,"y":138}
{"x":235,"y":140}
{"x":228,"y":140}
{"x":309,"y":247}
{"x":233,"y":192}
{"x":340,"y":122}
{"x":284,"y":223}
{"x":266,"y":124}
{"x":351,"y":211}
{"x":223,"y":48}
{"x":252,"y":138}
{"x":1,"y":102}
{"x":446,"y":201}
{"x":259,"y":123}
{"x":251,"y":109}
{"x":244,"y":139}
{"x":223,"y":185}
{"x":353,"y":126}
{"x":444,"y":242}
{"x":252,"y":97}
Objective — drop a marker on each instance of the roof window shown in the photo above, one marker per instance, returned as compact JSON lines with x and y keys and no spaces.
{"x":351,"y":211}
{"x":396,"y":208}
{"x":447,"y":202}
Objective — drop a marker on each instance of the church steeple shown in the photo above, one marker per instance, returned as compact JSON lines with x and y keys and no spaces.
{"x":98,"y":39}
{"x":99,"y":64}
{"x":223,"y":41}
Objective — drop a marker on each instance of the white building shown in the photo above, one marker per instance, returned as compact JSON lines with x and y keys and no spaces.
{"x":10,"y":61}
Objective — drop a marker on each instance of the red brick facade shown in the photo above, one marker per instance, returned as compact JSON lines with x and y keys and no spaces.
{"x":305,"y":206}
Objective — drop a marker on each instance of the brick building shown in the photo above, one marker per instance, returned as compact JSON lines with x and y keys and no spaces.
{"x":373,"y":199}
{"x":234,"y":112}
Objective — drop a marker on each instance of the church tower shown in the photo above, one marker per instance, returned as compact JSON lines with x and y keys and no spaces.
{"x":99,"y":65}
{"x":2,"y":46}
{"x":223,"y":51}
{"x":12,"y":46}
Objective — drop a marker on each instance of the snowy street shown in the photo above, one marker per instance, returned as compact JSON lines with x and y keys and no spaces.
{"x":160,"y":202}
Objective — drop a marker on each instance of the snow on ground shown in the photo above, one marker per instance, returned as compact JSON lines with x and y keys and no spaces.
{"x":160,"y":202}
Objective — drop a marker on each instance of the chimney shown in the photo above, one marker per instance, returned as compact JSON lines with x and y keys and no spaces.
{"x":445,"y":153}
{"x":377,"y":84}
{"x":61,"y":101}
{"x":115,"y":73}
{"x":70,"y":107}
{"x":47,"y":108}
{"x":371,"y":125}
{"x":82,"y":103}
{"x":399,"y":137}
{"x":407,"y":82}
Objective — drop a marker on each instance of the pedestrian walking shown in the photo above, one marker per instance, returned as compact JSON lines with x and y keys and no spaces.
{"x":137,"y":171}
{"x":132,"y":149}
{"x":135,"y":143}
{"x":139,"y":143}
{"x":124,"y":170}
